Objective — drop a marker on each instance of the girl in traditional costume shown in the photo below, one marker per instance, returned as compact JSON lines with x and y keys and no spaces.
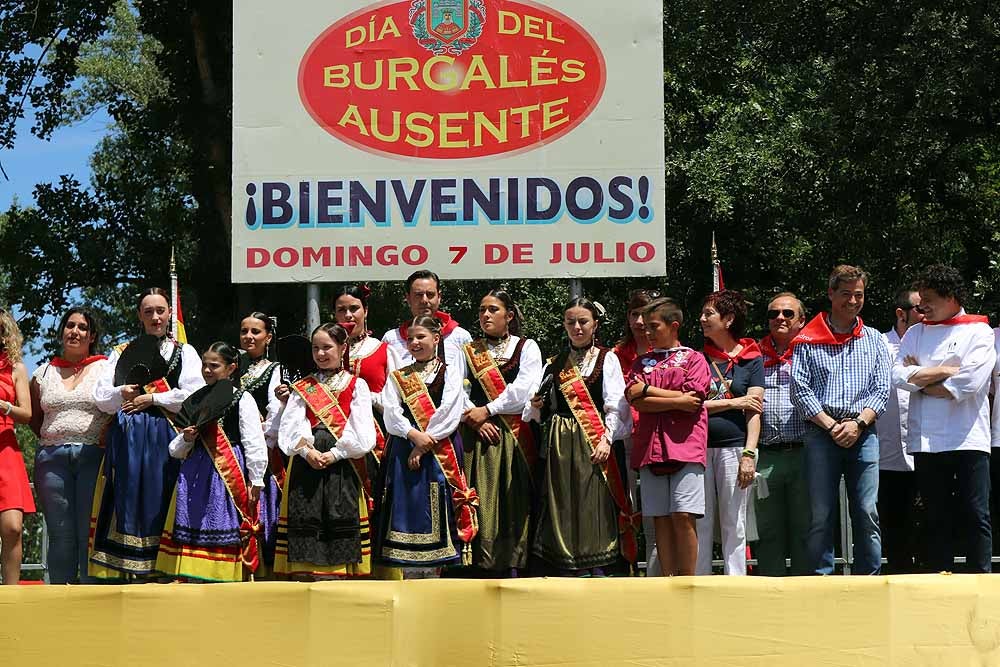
{"x":584,"y":502}
{"x":327,"y":430}
{"x":147,"y":381}
{"x":501,"y":451}
{"x":211,"y":526}
{"x":262,"y":380}
{"x":426,"y":508}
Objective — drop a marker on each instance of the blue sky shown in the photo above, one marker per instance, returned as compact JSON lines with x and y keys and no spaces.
{"x":35,"y":161}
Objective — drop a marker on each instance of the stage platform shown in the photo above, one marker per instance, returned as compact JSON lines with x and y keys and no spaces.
{"x":937,"y":620}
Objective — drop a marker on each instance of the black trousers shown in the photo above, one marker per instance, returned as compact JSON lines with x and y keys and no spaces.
{"x":897,"y":492}
{"x":962,"y":478}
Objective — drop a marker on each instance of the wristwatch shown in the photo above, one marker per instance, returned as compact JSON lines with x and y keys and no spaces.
{"x":862,"y":424}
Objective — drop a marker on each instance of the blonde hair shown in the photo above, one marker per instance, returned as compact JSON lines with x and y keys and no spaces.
{"x":11,"y":339}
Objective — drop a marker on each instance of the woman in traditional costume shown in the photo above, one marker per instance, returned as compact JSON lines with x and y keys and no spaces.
{"x":211,"y":526}
{"x":327,"y":430}
{"x":262,"y":380}
{"x":147,"y":381}
{"x":501,"y":451}
{"x":69,"y":426}
{"x":15,"y":407}
{"x":426,"y":508}
{"x":583,"y":495}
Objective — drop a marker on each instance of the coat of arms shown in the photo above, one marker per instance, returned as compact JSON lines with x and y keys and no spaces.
{"x":447,"y":26}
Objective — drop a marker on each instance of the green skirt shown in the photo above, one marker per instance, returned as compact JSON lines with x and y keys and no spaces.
{"x":502,"y":480}
{"x":578,"y":521}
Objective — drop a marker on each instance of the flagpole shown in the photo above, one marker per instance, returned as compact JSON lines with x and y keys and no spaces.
{"x":173,"y":293}
{"x":716,"y":267}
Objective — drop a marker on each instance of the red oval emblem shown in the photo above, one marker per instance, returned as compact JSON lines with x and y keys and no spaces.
{"x":449,"y":79}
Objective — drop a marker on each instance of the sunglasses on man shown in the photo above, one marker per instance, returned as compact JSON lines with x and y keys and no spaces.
{"x":787,"y":313}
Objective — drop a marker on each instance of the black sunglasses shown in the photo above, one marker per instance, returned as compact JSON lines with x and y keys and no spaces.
{"x":787,"y":313}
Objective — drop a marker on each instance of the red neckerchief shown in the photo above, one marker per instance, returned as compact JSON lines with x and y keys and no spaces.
{"x":771,"y":356}
{"x":749,"y":350}
{"x":447,"y":325}
{"x":961,"y":319}
{"x":59,"y":362}
{"x":818,"y":332}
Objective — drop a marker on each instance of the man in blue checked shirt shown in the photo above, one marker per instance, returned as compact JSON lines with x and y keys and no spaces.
{"x":840,"y":384}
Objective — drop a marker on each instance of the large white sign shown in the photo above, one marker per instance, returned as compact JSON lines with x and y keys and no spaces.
{"x":477,"y":138}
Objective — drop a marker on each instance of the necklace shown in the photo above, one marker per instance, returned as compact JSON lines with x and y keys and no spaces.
{"x":426,"y":370}
{"x":581,"y":359}
{"x":334,"y":380}
{"x":497,"y":346}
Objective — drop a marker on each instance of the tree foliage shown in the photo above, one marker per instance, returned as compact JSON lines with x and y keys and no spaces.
{"x":803,"y":133}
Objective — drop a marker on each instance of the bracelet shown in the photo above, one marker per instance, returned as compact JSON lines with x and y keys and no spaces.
{"x":645,"y":390}
{"x":10,"y":408}
{"x":752,"y":453}
{"x":831,"y":426}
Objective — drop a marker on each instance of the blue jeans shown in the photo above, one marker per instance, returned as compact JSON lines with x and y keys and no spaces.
{"x":65,"y":476}
{"x":825,"y":464}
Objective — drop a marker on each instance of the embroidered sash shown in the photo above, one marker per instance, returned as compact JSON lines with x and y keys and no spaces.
{"x":581,"y":404}
{"x":220,"y":449}
{"x":484,"y":368}
{"x":325,"y":408}
{"x":418,"y":400}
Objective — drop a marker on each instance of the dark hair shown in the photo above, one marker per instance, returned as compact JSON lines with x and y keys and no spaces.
{"x":666,"y":309}
{"x":845,"y":273}
{"x":637,"y":298}
{"x":903,"y":300}
{"x":360,"y":292}
{"x":729,"y":302}
{"x":504,"y":297}
{"x":945,"y":280}
{"x":423,"y":274}
{"x":263,"y":317}
{"x":228,"y":353}
{"x":93,"y":326}
{"x":152,"y":291}
{"x":428,"y":322}
{"x":333,"y":330}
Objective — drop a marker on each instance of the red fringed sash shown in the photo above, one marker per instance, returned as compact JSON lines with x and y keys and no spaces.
{"x":486,"y":371}
{"x":574,"y":389}
{"x":418,"y":400}
{"x":325,"y":407}
{"x":228,"y":466}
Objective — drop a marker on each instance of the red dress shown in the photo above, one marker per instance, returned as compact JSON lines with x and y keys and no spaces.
{"x":15,"y":493}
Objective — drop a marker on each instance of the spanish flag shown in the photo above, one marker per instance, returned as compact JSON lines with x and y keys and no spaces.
{"x":180,"y":333}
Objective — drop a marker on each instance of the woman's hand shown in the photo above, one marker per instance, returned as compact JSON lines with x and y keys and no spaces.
{"x":190,"y":434}
{"x":130,"y":391}
{"x":748,"y":468}
{"x":602,"y":452}
{"x":255,"y":495}
{"x":752,"y":404}
{"x":490,"y":433}
{"x":537,"y":402}
{"x":476,"y":417}
{"x":634,"y":391}
{"x":282,"y":392}
{"x":137,"y":404}
{"x":314,"y":459}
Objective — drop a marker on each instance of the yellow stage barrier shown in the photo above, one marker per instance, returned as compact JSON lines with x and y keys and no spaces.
{"x":913,"y":620}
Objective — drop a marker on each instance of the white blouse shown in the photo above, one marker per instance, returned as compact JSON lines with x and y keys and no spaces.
{"x":295,"y":434}
{"x":518,"y":393}
{"x":251,"y":436}
{"x":617,"y":415}
{"x":70,"y":415}
{"x":446,"y":418}
{"x":109,"y":397}
{"x":453,"y":343}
